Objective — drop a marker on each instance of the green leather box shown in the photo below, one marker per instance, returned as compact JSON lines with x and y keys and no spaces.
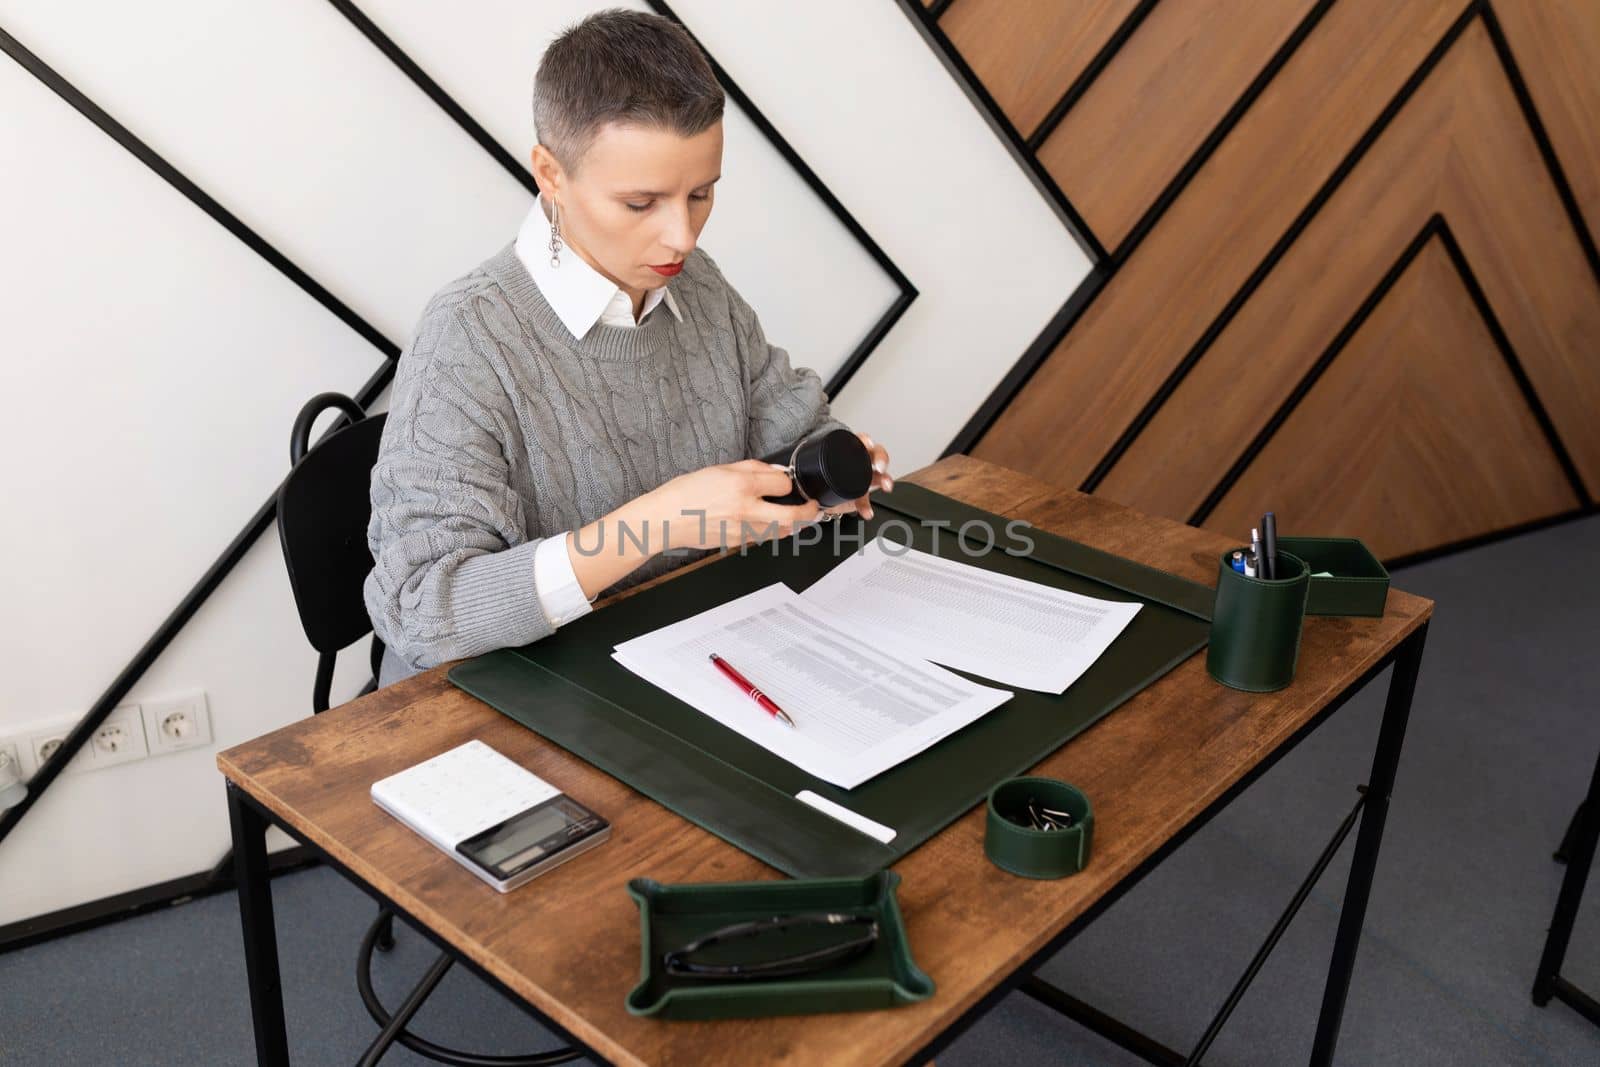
{"x":1359,"y":584}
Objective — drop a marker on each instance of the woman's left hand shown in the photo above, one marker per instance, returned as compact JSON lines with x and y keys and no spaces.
{"x":880,"y":480}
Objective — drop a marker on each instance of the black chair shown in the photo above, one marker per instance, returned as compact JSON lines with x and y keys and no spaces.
{"x":323,"y":510}
{"x":1577,"y":852}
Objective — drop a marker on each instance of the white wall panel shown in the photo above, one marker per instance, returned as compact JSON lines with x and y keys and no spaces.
{"x":154,"y":365}
{"x":290,"y":118}
{"x":152,"y":368}
{"x":816,"y":289}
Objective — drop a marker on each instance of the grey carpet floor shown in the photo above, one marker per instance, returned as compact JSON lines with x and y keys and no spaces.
{"x":1503,"y":738}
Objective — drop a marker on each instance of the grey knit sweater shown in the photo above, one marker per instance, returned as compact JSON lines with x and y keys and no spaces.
{"x":503,"y":429}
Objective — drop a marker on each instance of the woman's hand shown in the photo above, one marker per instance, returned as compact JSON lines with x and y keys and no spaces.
{"x":880,"y":480}
{"x":730,"y":496}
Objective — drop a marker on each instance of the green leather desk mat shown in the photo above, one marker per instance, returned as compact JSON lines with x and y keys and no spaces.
{"x":569,"y":690}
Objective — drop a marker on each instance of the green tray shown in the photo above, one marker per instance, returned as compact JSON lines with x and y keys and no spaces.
{"x":672,"y":915}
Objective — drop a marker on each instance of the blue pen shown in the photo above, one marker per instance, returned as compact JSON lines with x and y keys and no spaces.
{"x":1238,"y":561}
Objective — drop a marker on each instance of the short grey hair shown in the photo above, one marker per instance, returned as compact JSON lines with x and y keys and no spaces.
{"x":621,"y":66}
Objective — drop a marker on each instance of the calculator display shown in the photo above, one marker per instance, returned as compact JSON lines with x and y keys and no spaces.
{"x":532,"y":836}
{"x":518,"y":836}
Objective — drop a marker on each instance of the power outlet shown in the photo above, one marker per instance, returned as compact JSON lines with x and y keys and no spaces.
{"x":120,"y":739}
{"x":12,"y":778}
{"x":41,"y":743}
{"x":12,"y":773}
{"x":176,"y":724}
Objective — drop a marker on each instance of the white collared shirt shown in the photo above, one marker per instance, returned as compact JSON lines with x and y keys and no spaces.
{"x":578,"y":293}
{"x":581,"y":296}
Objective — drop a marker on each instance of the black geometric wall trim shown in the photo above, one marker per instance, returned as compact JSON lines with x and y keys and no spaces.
{"x":1031,"y":360}
{"x":953,"y":61}
{"x":1435,"y":227}
{"x":1541,"y":137}
{"x":199,"y":197}
{"x":1104,"y":269}
{"x":907,"y":292}
{"x":1180,"y":181}
{"x":190,"y":604}
{"x":435,"y":92}
{"x":1191,"y":358}
{"x":169,"y":628}
{"x":1080,"y":85}
{"x":1476,"y":9}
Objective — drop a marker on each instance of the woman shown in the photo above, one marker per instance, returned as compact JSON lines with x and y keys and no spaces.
{"x":576,"y":415}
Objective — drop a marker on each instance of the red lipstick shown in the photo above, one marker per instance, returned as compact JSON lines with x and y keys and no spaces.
{"x":667,"y":270}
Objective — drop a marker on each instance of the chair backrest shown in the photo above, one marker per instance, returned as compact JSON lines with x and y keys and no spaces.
{"x":323,"y":509}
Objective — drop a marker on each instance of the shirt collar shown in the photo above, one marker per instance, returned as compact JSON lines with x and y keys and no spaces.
{"x":577,"y":292}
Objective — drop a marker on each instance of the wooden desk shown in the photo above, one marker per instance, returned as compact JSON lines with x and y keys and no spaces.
{"x":568,"y":947}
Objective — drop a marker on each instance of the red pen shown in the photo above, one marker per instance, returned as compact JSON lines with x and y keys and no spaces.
{"x":744,"y":683}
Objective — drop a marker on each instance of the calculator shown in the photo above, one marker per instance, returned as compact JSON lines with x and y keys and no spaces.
{"x":501,"y":821}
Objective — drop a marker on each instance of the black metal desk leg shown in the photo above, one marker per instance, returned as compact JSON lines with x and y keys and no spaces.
{"x":1391,"y":735}
{"x":260,"y":932}
{"x":1581,"y":837}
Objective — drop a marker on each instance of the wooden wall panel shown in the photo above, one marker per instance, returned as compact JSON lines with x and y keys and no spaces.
{"x":1176,"y":77}
{"x":1162,"y":300}
{"x":1378,"y":274}
{"x":1557,"y":45}
{"x":1415,"y":437}
{"x":1026,"y":52}
{"x":1505,"y":210}
{"x":1460,"y":148}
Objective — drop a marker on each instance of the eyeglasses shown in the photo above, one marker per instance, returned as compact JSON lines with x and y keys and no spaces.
{"x":779,"y":967}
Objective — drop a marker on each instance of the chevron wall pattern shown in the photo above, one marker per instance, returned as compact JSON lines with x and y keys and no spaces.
{"x":1347,"y":261}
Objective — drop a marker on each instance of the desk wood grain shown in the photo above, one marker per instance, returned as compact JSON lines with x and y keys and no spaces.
{"x":569,"y":943}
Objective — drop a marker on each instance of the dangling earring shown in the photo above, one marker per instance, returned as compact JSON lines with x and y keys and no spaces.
{"x":555,"y":234}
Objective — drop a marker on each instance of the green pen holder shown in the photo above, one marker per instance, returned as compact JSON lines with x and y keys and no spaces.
{"x":1255,"y":626}
{"x":1015,"y":846}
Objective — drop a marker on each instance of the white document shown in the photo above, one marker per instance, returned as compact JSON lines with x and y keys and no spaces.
{"x":1017,"y":632}
{"x":858,"y":708}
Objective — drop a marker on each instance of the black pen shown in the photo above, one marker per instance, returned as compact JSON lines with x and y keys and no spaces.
{"x":1269,"y":543}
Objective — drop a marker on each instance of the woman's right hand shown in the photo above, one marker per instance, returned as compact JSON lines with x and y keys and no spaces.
{"x":730,"y":497}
